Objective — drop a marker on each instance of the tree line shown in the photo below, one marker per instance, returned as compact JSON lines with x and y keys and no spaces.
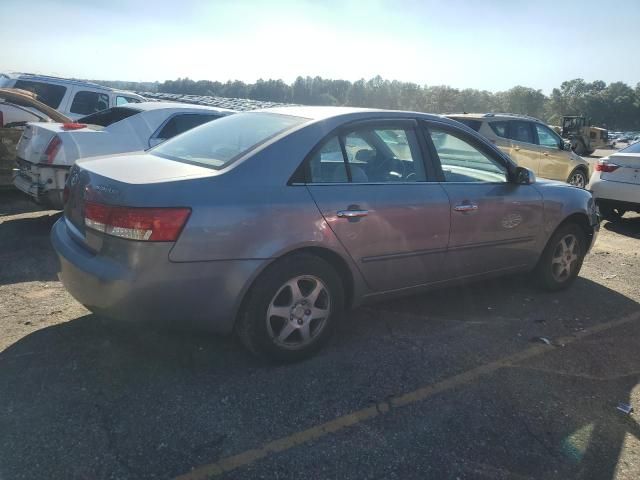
{"x":615,"y":106}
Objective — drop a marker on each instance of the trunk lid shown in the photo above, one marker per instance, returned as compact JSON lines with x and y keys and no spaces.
{"x":130,"y":180}
{"x":37,"y":135}
{"x":628,"y":171}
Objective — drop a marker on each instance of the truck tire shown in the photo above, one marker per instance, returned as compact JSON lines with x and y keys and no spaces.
{"x":580,"y":149}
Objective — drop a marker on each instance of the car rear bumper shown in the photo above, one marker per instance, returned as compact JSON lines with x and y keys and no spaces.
{"x":45,"y":184}
{"x":615,"y":191}
{"x":139,"y":283}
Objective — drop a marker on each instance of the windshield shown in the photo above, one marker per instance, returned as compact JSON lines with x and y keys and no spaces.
{"x":633,"y":148}
{"x":217,"y":144}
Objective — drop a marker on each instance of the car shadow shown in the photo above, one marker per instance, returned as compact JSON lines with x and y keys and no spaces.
{"x":26,"y":250}
{"x":14,"y":202}
{"x":628,"y":226}
{"x":90,"y":398}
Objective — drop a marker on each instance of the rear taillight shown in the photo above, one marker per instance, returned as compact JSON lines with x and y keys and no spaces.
{"x":134,"y":223}
{"x":606,"y":166}
{"x":52,"y":149}
{"x":73,"y":126}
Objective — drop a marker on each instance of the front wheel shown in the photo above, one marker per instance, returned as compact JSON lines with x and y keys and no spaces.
{"x":290,"y":311}
{"x":562,"y":258}
{"x":578,"y":178}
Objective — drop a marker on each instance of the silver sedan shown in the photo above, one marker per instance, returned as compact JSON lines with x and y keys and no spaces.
{"x":271,"y":223}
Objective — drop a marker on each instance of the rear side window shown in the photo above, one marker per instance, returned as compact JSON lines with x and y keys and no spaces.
{"x":120,"y":100}
{"x":472,"y":124}
{"x":47,"y":93}
{"x":109,"y":116}
{"x":86,"y":102}
{"x":521,"y":132}
{"x":181,"y":123}
{"x":217,"y":144}
{"x":499,"y":128}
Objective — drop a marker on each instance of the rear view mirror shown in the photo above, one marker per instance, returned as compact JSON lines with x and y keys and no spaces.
{"x":524,"y":176}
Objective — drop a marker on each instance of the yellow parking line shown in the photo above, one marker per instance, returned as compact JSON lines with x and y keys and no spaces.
{"x":340,"y":423}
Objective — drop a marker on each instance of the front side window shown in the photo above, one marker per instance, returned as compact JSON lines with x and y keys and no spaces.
{"x":86,"y":103}
{"x":546,"y":137}
{"x":217,"y":144}
{"x":373,"y":155}
{"x":463,"y":162}
{"x":181,"y":123}
{"x":521,"y":132}
{"x":47,"y":93}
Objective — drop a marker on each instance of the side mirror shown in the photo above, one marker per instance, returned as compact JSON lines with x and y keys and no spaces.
{"x":524,"y":176}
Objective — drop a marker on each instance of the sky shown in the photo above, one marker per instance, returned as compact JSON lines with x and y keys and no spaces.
{"x":487,"y":44}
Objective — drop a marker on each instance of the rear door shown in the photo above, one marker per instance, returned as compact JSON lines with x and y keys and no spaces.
{"x":523,"y":147}
{"x":371,"y":185}
{"x":494,"y":223}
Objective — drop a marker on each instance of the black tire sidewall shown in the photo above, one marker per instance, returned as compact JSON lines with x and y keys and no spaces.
{"x":252,"y":326}
{"x":584,"y":176}
{"x":543,"y":271}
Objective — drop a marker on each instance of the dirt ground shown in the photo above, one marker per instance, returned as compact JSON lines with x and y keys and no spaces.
{"x":452,"y":384}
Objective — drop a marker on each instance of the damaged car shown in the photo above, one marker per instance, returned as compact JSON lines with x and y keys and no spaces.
{"x":47,"y":151}
{"x":17,"y":108}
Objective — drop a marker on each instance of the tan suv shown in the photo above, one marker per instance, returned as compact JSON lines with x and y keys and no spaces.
{"x":531,"y":144}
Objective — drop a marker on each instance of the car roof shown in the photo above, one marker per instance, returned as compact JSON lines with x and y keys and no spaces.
{"x":494,"y":116}
{"x":323,"y":113}
{"x":149,"y":106}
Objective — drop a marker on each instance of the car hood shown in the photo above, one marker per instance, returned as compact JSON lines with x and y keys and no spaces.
{"x":142,"y":167}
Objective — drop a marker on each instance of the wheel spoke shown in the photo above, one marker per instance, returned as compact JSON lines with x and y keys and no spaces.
{"x":282,"y":312}
{"x":296,"y":294}
{"x":286,"y":331}
{"x":313,"y":295}
{"x":317,"y":313}
{"x":305,"y":332}
{"x":557,"y":260}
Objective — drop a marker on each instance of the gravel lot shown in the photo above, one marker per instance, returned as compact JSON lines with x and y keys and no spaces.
{"x":445,"y":385}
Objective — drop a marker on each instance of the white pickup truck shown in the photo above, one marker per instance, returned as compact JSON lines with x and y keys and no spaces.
{"x":47,"y":151}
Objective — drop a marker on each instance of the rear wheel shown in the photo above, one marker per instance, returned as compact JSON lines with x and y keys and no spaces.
{"x":578,"y":178}
{"x":290,"y":311}
{"x":562,"y":258}
{"x":611,"y":212}
{"x":580,"y":148}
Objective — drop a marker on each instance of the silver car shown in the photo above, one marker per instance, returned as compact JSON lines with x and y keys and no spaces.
{"x":271,"y":223}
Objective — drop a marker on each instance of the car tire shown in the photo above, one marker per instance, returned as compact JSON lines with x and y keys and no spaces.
{"x":611,"y":212}
{"x":561,"y":259}
{"x":286,"y":325}
{"x":580,"y":148}
{"x":578,"y":178}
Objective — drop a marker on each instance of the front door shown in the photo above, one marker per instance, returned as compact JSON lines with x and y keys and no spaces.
{"x":554,"y":163}
{"x":370,"y":184}
{"x":494,"y":223}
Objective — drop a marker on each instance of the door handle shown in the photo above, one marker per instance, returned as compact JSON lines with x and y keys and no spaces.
{"x":516,"y":148}
{"x":466,"y":207}
{"x":352,"y":213}
{"x":545,"y":154}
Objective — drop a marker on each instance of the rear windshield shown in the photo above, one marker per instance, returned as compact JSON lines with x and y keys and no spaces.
{"x":633,"y":148}
{"x":47,"y":93}
{"x":217,"y":144}
{"x":108,"y":117}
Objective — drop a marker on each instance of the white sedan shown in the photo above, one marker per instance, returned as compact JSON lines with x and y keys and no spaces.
{"x":615,"y":183}
{"x":47,"y":151}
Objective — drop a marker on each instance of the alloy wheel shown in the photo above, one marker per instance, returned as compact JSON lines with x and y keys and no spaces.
{"x":578,"y":179}
{"x":566,"y":257}
{"x":298,"y":312}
